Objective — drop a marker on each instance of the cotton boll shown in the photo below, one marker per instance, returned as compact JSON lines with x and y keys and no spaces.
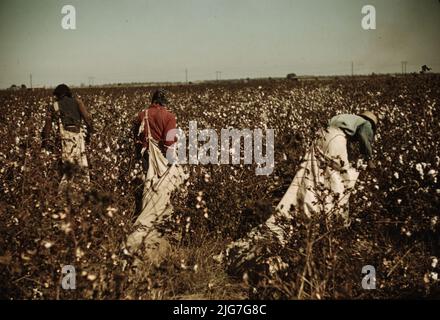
{"x":434,"y":262}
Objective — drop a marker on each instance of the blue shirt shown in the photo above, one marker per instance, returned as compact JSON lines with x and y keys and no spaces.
{"x":355,"y":125}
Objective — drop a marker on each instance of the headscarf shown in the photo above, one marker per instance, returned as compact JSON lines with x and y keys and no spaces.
{"x":159,"y":97}
{"x":62,"y":91}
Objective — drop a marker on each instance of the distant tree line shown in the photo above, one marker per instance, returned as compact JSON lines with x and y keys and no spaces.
{"x":15,"y":87}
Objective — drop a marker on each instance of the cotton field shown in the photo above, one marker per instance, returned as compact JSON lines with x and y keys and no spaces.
{"x":394,"y":212}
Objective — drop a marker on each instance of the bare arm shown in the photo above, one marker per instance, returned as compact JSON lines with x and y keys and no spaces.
{"x":171,"y":125}
{"x":135,"y":124}
{"x":366,"y":136}
{"x":45,"y":135}
{"x":85,"y":115}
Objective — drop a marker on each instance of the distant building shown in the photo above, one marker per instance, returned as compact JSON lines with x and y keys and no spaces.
{"x":292,"y":76}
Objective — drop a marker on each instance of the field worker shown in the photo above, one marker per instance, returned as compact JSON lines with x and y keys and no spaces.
{"x":323,"y":183}
{"x":154,"y":135}
{"x":69,"y":112}
{"x":327,"y":163}
{"x":161,"y":121}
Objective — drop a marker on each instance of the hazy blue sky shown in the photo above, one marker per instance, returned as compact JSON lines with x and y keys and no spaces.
{"x":152,"y":40}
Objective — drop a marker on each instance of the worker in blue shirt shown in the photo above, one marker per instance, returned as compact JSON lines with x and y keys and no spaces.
{"x":361,"y":127}
{"x":325,"y":167}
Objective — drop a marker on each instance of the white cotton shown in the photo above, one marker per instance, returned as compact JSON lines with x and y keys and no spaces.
{"x":434,"y":262}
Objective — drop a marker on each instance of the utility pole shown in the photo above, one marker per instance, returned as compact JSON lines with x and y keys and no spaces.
{"x":91,"y":80}
{"x":186,"y":75}
{"x":218,"y":75}
{"x":404,"y":67}
{"x":30,"y":80}
{"x":352,"y":68}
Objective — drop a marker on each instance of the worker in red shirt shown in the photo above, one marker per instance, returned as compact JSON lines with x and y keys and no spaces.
{"x":160,"y":122}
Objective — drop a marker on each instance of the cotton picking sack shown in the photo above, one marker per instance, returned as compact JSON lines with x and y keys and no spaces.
{"x":161,"y":180}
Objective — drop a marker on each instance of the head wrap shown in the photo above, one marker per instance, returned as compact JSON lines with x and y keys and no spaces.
{"x":61,"y":91}
{"x":159,"y":97}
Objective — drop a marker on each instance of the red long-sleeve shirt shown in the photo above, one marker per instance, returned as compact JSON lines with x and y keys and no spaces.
{"x":161,"y":121}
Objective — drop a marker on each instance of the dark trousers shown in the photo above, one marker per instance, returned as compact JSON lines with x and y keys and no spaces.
{"x":140,"y":184}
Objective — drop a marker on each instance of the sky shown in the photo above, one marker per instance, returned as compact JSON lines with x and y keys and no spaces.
{"x":157,"y":40}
